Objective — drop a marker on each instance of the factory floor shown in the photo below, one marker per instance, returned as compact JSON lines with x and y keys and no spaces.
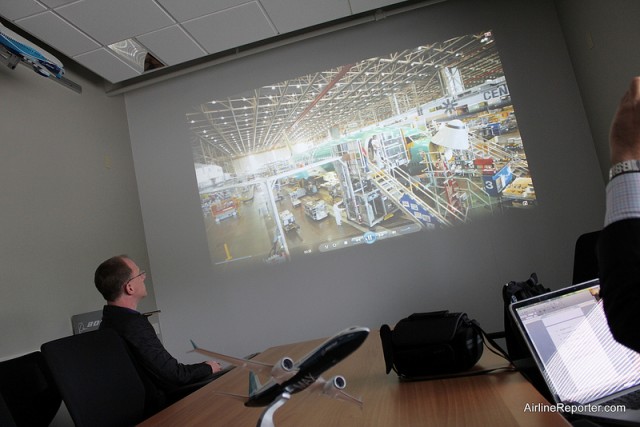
{"x":249,"y":236}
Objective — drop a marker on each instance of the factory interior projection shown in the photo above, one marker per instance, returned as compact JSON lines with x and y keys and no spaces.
{"x":412,"y":141}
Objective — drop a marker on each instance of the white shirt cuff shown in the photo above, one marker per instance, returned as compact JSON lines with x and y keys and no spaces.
{"x":623,"y":198}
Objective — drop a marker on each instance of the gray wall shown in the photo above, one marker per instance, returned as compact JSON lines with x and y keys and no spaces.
{"x":602,"y":37}
{"x":62,"y":210}
{"x":457,"y":269}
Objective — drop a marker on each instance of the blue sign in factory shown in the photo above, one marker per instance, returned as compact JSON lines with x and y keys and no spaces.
{"x":494,"y":184}
{"x":418,"y":211}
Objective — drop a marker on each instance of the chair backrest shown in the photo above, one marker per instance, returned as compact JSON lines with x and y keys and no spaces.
{"x":97,"y":379}
{"x":85,"y":322}
{"x":6,"y":419}
{"x":585,"y":258}
{"x":28,"y":391}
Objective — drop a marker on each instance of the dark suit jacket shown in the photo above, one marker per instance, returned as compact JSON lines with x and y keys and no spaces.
{"x":147,"y":350}
{"x":619,"y":270}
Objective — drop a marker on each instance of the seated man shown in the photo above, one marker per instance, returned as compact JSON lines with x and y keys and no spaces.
{"x":121,"y":283}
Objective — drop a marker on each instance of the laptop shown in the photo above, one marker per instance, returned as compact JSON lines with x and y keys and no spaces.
{"x":588,"y":373}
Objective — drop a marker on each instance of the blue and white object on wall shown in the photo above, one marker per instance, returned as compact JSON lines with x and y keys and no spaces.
{"x":19,"y":49}
{"x":419,"y":212}
{"x":494,"y":184}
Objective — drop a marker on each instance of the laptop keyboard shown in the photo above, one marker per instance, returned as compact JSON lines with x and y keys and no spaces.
{"x":630,"y":401}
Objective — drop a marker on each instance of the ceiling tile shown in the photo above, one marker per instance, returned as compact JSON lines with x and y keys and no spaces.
{"x":16,"y":9}
{"x":115,"y":20}
{"x":58,"y":33}
{"x":175,"y":31}
{"x":171,"y":45}
{"x":358,"y":6}
{"x":106,"y":64}
{"x":230,"y":28}
{"x":291,"y":15}
{"x":184,"y":10}
{"x":56,"y":3}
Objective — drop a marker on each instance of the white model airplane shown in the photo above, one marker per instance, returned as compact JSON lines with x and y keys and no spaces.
{"x":15,"y":49}
{"x":288,"y":377}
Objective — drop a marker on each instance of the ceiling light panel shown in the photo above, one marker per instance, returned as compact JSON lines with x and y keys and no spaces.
{"x":131,"y":52}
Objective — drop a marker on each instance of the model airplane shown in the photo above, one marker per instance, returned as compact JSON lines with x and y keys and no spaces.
{"x":15,"y":49}
{"x":288,"y":377}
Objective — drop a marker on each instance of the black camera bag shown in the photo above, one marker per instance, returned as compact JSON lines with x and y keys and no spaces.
{"x":429,"y":344}
{"x":512,"y":292}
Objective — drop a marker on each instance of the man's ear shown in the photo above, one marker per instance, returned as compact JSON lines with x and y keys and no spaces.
{"x":128,"y":289}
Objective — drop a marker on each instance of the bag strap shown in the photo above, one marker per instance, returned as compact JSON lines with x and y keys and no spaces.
{"x":387,"y":347}
{"x":490,"y":342}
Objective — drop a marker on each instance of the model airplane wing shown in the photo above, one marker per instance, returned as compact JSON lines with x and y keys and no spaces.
{"x":280,"y":372}
{"x":334,"y":388}
{"x":240,"y":397}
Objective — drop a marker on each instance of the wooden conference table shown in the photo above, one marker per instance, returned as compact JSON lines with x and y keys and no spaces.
{"x":495,"y":399}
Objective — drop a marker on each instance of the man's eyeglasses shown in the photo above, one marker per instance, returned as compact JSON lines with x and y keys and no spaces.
{"x":142,"y":273}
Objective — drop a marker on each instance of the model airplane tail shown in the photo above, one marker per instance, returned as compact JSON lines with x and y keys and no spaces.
{"x":254,"y":383}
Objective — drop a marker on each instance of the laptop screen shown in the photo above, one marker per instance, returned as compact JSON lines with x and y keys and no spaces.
{"x":569,"y":336}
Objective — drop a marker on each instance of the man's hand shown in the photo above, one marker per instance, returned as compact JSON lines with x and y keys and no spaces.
{"x":624,"y":138}
{"x":215,"y":366}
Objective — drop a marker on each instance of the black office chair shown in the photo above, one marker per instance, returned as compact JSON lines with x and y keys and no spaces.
{"x":6,"y":419}
{"x":97,"y":379}
{"x":585,"y":259}
{"x":28,"y":391}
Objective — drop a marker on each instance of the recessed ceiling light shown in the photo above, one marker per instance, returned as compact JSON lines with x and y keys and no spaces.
{"x":136,"y":55}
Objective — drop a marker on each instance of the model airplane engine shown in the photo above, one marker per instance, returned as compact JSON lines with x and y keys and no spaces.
{"x":334,"y":386}
{"x":282,"y":370}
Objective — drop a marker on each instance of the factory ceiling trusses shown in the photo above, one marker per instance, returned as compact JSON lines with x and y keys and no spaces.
{"x":306,"y":109}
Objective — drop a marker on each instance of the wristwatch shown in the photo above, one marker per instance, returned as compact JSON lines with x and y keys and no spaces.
{"x":624,"y":167}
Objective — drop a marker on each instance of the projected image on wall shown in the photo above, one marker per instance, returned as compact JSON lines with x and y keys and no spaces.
{"x":411,"y":141}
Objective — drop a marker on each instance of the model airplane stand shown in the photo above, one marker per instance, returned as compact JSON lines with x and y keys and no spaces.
{"x":266,"y":419}
{"x":10,"y":59}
